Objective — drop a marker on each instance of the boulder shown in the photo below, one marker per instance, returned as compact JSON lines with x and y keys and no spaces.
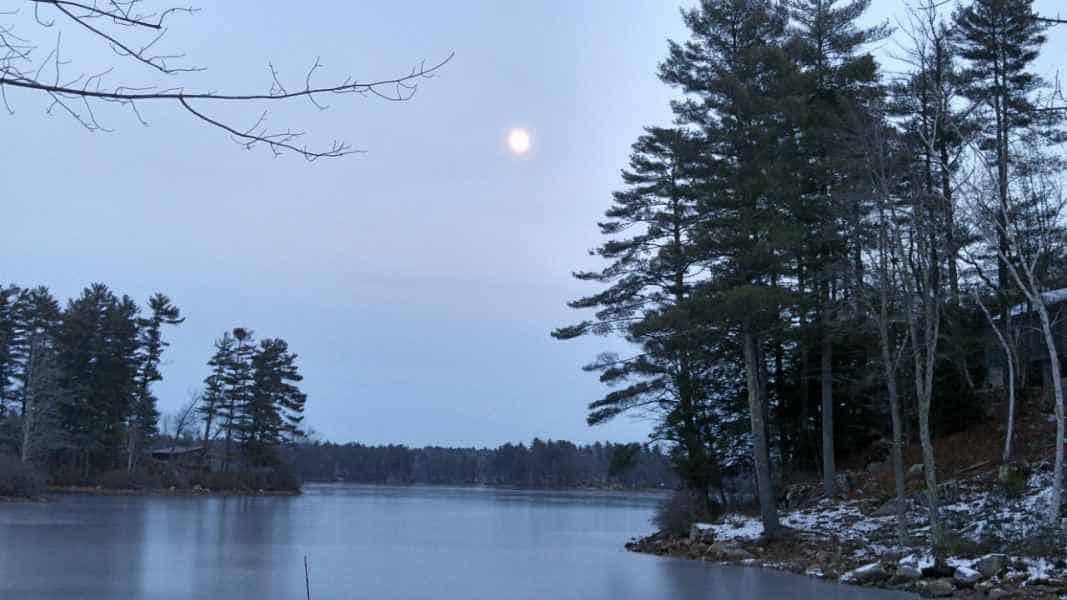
{"x":936,"y":588}
{"x":991,"y":565}
{"x":842,"y":484}
{"x":907,"y":574}
{"x":886,"y":510}
{"x":701,"y":532}
{"x":875,"y":467}
{"x":729,"y":551}
{"x":997,"y":593}
{"x":915,"y":472}
{"x":871,"y":573}
{"x":966,"y":577}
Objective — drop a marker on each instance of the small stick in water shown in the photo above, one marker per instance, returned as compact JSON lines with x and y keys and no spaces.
{"x":307,"y":579}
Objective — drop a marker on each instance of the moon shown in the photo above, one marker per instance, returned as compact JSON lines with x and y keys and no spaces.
{"x":519,"y":141}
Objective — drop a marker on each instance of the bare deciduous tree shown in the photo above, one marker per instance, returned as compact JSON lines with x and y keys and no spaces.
{"x":42,"y":397}
{"x":133,"y":30}
{"x":1026,"y":246}
{"x":182,"y":421}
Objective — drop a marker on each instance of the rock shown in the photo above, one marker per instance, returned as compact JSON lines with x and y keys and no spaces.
{"x":701,"y":532}
{"x":938,"y":571}
{"x":800,"y":494}
{"x":886,"y":510}
{"x":907,"y":574}
{"x":871,"y":573}
{"x":936,"y":588}
{"x":991,"y":565}
{"x":948,"y":492}
{"x":729,"y":551}
{"x":966,"y":577}
{"x":842,"y":484}
{"x":915,"y":472}
{"x":996,"y":593}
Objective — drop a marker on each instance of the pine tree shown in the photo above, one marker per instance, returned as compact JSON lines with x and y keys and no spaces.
{"x":237,"y":379}
{"x":648,"y":301}
{"x":213,"y":405}
{"x":837,"y":83}
{"x":1000,"y":40}
{"x":275,"y":406}
{"x":143,"y":420}
{"x":97,"y":346}
{"x":735,"y":71}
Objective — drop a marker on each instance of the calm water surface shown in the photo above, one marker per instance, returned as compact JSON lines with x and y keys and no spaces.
{"x":378,"y":543}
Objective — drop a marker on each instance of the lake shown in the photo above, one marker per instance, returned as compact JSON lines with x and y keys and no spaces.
{"x":372,"y":542}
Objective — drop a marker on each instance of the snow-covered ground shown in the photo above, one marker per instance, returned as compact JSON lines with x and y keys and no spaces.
{"x":982,"y":519}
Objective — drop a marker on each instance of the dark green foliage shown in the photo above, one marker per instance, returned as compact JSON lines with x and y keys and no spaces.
{"x":276,"y":407}
{"x":251,"y":398}
{"x":75,"y":382}
{"x":539,"y":464}
{"x":97,"y":344}
{"x":18,"y":480}
{"x":648,"y":300}
{"x":143,"y":418}
{"x":822,"y":220}
{"x":1000,"y":40}
{"x":213,"y":407}
{"x":623,"y":459}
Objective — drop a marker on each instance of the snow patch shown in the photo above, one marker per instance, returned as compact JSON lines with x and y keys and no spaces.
{"x":737,"y":527}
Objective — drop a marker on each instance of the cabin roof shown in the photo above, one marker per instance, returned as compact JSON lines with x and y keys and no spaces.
{"x":1050,"y":298}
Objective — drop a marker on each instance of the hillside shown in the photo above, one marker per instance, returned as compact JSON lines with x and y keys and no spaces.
{"x":999,"y":544}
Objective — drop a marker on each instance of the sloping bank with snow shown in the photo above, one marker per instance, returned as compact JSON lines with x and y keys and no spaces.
{"x":1000,"y":546}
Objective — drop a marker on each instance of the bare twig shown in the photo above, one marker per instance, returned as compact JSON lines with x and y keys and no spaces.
{"x":116,"y":22}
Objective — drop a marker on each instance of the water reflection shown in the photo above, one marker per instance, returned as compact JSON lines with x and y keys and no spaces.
{"x":364,"y":542}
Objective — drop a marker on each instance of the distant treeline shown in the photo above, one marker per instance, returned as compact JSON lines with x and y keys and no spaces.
{"x":539,"y":464}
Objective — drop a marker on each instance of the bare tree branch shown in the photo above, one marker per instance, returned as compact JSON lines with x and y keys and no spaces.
{"x":116,"y":23}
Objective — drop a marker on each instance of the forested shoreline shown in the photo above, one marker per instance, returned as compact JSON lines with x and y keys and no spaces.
{"x":77,"y":406}
{"x":541,"y":464}
{"x":825,"y":257}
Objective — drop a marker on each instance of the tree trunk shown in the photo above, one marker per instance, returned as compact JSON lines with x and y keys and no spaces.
{"x":890,"y":366}
{"x":1057,"y":388}
{"x":760,"y":457}
{"x":898,"y":459}
{"x":826,"y":376}
{"x":1009,"y":358}
{"x":929,"y":469}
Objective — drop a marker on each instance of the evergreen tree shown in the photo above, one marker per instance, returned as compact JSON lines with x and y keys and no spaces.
{"x":97,"y":345}
{"x":214,"y":401}
{"x":653,"y":264}
{"x":238,"y":379}
{"x":837,"y":82}
{"x":734,"y":71}
{"x":1000,"y":40}
{"x":276,"y":405}
{"x":143,"y":420}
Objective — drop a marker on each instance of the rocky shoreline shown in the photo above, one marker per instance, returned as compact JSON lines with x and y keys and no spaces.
{"x":1001,"y":544}
{"x":992,"y":576}
{"x":171,"y":491}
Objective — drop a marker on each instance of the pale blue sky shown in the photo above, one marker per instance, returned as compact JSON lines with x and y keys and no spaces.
{"x":418,"y":282}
